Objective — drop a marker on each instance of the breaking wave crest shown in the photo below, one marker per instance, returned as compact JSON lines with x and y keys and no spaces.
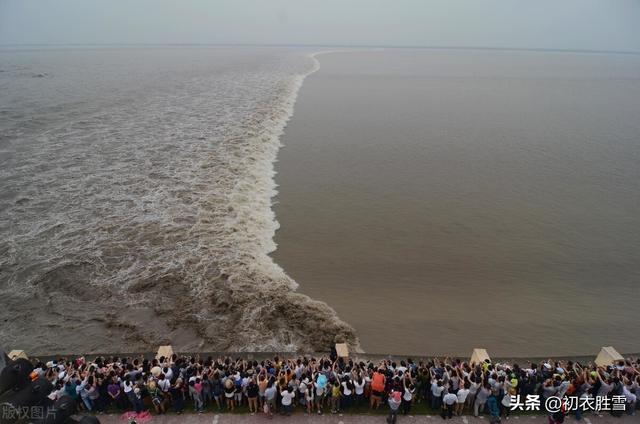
{"x":141,"y":215}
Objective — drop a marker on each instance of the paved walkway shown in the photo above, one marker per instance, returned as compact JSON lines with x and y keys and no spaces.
{"x":301,"y":418}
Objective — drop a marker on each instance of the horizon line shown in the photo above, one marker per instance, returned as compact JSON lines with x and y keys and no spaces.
{"x":372,"y":46}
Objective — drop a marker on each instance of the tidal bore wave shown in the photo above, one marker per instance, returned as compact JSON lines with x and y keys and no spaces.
{"x":136,"y":209}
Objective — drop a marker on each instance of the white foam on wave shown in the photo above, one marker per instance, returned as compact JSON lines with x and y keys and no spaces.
{"x":147,"y":198}
{"x":251,"y":223}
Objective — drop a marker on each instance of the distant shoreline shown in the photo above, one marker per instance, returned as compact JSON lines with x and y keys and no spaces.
{"x":341,"y":46}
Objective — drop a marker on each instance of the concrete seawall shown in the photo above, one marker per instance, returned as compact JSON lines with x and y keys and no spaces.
{"x":258,"y":356}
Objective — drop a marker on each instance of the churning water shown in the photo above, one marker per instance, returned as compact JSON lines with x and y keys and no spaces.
{"x":135,"y":206}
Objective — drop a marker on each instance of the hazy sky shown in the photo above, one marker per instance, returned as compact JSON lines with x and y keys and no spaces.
{"x":564,"y":24}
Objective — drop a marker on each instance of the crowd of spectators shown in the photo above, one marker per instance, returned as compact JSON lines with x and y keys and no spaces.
{"x":329,"y":384}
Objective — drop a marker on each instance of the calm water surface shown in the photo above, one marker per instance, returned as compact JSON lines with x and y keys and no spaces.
{"x":445,"y":200}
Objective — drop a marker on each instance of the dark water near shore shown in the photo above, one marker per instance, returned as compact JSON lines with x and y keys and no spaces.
{"x":445,"y":200}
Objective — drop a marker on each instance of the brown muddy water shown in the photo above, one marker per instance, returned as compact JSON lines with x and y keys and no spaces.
{"x":446,"y":200}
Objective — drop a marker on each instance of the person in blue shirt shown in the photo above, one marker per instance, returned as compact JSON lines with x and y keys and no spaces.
{"x":494,"y":409}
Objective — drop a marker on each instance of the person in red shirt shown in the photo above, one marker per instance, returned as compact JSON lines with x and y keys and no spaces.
{"x":377,"y":388}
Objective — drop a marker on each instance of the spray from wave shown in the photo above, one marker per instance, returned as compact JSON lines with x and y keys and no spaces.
{"x":144,"y":217}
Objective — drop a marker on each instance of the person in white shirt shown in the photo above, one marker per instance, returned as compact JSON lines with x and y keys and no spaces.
{"x":303,"y":389}
{"x":270,"y":394}
{"x":436,"y":391}
{"x":347,"y":393}
{"x":129,"y":387}
{"x":505,"y":408}
{"x":473,"y":389}
{"x":309,"y":395}
{"x":164,"y":384}
{"x":407,"y":396}
{"x":168,"y":373}
{"x":462,"y":394}
{"x":287,"y":399}
{"x":358,"y":384}
{"x":448,"y":402}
